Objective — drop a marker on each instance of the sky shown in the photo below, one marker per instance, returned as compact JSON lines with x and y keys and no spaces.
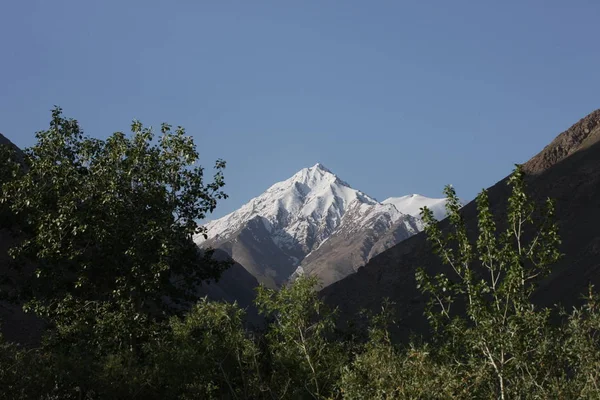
{"x":395,"y":97}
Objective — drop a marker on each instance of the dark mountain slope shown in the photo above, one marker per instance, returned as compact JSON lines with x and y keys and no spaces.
{"x":235,"y":285}
{"x":567,"y":170}
{"x":4,"y":140}
{"x":15,"y":325}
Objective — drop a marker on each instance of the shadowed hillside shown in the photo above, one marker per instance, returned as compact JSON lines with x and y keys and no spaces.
{"x":15,"y":325}
{"x":567,"y":170}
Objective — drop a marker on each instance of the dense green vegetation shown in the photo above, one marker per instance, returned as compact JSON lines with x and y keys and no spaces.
{"x":105,"y":256}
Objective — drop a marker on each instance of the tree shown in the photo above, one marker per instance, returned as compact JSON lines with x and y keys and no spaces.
{"x":303,"y":358}
{"x":207,"y":354}
{"x":10,"y":168}
{"x":382,"y":370}
{"x":111,"y":220}
{"x":502,"y":334}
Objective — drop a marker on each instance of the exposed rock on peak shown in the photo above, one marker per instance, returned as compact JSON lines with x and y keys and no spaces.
{"x":579,"y":136}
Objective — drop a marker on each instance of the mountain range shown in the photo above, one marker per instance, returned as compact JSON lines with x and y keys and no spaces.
{"x":314,"y":223}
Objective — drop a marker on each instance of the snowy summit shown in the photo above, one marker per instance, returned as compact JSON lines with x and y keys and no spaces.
{"x":306,"y":207}
{"x":292,"y":219}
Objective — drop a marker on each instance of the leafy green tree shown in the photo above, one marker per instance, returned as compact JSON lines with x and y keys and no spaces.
{"x":502,"y":334}
{"x":382,"y":370}
{"x":105,"y":250}
{"x":24,"y":373}
{"x":112,"y":220}
{"x":9,"y":169}
{"x":205,"y":354}
{"x":303,"y":358}
{"x":580,"y":340}
{"x":209,"y":355}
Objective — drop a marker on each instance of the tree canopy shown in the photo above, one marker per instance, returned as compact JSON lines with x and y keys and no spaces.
{"x":111,"y":220}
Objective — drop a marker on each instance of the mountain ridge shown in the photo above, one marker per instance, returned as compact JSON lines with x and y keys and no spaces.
{"x":567,"y":170}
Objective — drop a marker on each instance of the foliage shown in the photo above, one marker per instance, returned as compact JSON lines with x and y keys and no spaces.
{"x":111,"y":220}
{"x":581,"y":343}
{"x":382,"y":370}
{"x":205,"y":354}
{"x":303,"y":357}
{"x":24,"y":373}
{"x":10,"y":169}
{"x":208,"y":355}
{"x":496,"y":331}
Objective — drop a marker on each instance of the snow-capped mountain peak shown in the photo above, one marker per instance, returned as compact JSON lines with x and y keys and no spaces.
{"x":314,"y":216}
{"x":312,"y":178}
{"x":307,"y":207}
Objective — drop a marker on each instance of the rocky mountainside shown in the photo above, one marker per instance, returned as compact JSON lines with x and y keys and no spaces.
{"x":361,"y":235}
{"x":312,"y":223}
{"x":567,"y":170}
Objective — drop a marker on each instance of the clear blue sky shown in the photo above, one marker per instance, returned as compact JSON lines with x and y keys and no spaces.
{"x":396,"y":97}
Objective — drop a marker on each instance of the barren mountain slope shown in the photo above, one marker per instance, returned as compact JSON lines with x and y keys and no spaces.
{"x":567,"y":170}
